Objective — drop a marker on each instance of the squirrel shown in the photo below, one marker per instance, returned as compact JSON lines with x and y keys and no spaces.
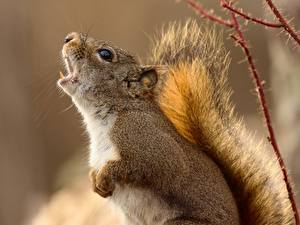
{"x":165,"y":144}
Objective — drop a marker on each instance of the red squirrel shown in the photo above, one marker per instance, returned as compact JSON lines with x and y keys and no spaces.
{"x":165,"y":144}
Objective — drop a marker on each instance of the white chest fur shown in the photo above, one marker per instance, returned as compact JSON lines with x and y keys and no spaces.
{"x":140,"y":207}
{"x":102,"y":149}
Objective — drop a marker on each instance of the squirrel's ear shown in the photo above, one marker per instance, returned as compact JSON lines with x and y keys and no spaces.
{"x":145,"y":82}
{"x":148,"y":78}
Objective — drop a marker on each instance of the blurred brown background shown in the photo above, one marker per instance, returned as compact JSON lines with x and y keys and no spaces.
{"x":38,"y":133}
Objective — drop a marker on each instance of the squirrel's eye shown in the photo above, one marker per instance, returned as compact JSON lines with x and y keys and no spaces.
{"x":105,"y":54}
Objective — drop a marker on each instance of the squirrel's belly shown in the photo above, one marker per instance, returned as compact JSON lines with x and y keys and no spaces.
{"x":141,"y":207}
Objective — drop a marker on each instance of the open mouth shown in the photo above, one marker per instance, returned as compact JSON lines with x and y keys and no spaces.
{"x":71,"y":72}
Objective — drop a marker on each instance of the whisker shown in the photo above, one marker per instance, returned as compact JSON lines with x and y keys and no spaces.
{"x":61,"y":93}
{"x":68,"y":108}
{"x":86,"y":34}
{"x":44,"y":91}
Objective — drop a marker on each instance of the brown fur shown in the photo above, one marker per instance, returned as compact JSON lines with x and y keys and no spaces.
{"x":154,"y":157}
{"x":156,"y":176}
{"x":195,"y":97}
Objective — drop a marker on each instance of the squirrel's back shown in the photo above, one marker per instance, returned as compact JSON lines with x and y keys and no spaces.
{"x":196,"y":98}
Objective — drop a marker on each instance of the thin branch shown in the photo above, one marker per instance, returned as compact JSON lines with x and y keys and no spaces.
{"x":267,"y":116}
{"x":284,"y":22}
{"x":226,"y":5}
{"x":240,"y":39}
{"x":261,"y":95}
{"x":198,"y":8}
{"x":242,"y":42}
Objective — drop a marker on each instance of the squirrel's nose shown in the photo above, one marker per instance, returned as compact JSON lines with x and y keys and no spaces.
{"x":68,"y":39}
{"x":72,"y":37}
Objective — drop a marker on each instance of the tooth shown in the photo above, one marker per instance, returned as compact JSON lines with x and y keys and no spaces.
{"x":61,"y":75}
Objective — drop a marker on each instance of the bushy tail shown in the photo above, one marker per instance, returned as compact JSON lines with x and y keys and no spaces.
{"x":196,"y":98}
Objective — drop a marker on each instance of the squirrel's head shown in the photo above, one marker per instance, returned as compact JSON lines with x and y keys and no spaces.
{"x":101,"y":74}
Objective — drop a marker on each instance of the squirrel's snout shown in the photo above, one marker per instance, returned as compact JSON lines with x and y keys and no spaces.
{"x":72,"y":37}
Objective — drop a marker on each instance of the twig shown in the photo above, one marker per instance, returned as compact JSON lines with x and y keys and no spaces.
{"x":242,"y":42}
{"x":225,"y":4}
{"x":284,"y":22}
{"x":208,"y":15}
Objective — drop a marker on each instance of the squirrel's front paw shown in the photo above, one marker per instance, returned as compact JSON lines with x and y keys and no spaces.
{"x":102,"y":184}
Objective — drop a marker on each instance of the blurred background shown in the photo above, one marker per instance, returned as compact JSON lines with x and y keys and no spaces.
{"x":41,"y":134}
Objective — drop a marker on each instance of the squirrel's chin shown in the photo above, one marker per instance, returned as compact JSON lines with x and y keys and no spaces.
{"x":68,"y":86}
